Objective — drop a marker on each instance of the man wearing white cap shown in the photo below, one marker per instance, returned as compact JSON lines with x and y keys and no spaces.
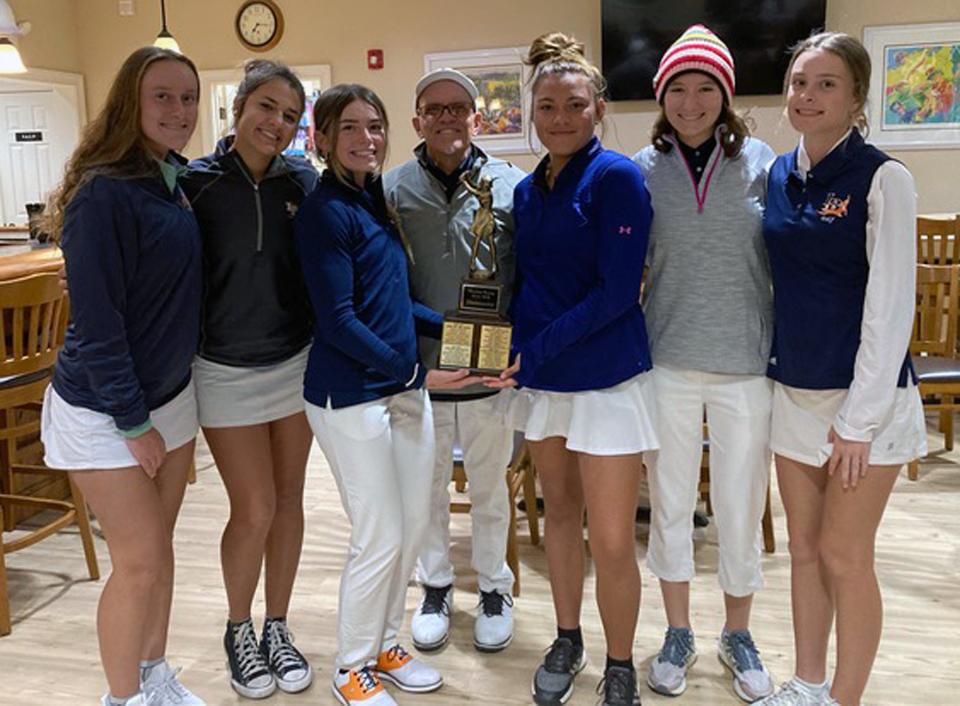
{"x":436,"y":211}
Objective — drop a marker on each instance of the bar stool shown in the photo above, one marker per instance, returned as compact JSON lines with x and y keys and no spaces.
{"x":33,"y":318}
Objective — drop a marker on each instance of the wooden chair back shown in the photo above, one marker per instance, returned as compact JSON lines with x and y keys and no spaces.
{"x":33,"y":322}
{"x":937,"y":241}
{"x":935,"y":324}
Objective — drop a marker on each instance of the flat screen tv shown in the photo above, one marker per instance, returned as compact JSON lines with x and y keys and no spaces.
{"x":636,"y":33}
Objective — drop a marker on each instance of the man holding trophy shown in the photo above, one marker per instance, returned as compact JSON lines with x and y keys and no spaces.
{"x":455,"y":206}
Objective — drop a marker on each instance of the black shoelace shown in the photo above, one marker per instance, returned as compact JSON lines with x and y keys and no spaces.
{"x":491,"y":602}
{"x":561,"y":658}
{"x":434,"y":600}
{"x":618,"y":686}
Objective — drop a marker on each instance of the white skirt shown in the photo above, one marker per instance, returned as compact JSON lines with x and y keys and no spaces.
{"x":77,"y":438}
{"x":610,"y":422}
{"x":231,"y":396}
{"x":802,"y":418}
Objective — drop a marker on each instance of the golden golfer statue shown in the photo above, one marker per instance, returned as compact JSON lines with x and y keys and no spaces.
{"x":483,"y":228}
{"x":476,"y":336}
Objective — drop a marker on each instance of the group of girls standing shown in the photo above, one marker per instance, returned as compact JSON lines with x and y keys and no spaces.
{"x":292,"y":293}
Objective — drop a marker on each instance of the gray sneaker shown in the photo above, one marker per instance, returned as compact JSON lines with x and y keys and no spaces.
{"x":793,"y":693}
{"x":668,"y":672}
{"x":553,"y":680}
{"x":751,"y":680}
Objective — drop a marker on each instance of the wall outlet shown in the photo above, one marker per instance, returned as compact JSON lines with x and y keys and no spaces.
{"x":125,"y":8}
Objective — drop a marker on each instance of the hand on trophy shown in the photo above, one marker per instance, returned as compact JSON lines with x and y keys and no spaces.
{"x":450,"y":379}
{"x":505,"y":379}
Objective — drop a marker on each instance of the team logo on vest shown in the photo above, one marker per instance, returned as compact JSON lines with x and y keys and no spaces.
{"x":291,"y":208}
{"x":833,"y":208}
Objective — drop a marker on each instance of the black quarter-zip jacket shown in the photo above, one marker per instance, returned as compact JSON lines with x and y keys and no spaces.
{"x":255,"y":306}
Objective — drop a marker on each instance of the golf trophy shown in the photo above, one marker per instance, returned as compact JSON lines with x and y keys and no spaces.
{"x":477,"y":336}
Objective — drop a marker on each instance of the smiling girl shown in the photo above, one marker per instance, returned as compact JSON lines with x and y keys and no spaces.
{"x":365,"y":392}
{"x":582,"y":221}
{"x":255,"y":333}
{"x":710,"y":315}
{"x":847,"y":415}
{"x":121,"y":413}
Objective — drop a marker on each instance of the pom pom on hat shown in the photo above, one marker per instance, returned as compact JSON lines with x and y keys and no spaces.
{"x":697,"y":49}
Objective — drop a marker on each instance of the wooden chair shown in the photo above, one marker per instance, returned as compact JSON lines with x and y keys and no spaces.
{"x":33,"y":316}
{"x":937,"y":241}
{"x":769,"y":540}
{"x":934,"y":346}
{"x":521,"y":476}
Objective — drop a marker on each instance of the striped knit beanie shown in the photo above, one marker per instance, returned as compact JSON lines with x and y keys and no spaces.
{"x":697,"y":49}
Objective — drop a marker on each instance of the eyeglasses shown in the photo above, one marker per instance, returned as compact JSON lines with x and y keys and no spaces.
{"x":435,"y":110}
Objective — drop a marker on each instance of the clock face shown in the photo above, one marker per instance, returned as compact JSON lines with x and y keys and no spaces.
{"x":259,"y":25}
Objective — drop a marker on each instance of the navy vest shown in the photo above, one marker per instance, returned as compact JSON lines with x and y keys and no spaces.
{"x":815,"y":232}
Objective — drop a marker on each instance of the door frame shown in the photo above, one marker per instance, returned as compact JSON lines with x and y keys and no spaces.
{"x":69,"y":85}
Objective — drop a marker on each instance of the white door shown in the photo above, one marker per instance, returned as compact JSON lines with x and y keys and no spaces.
{"x":38,"y":131}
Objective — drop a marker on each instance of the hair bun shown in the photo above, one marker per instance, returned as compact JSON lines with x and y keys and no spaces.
{"x":555,"y":46}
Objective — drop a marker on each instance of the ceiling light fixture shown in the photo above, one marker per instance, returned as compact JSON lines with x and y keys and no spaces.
{"x":165,"y":40}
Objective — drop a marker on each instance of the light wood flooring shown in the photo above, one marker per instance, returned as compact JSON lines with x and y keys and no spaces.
{"x":51,"y":656}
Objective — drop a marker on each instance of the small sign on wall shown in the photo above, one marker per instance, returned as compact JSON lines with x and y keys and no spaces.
{"x":31,"y":136}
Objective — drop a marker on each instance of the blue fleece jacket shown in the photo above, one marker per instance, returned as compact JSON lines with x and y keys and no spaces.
{"x":577,"y":319}
{"x":132,"y":251}
{"x":355,"y":267}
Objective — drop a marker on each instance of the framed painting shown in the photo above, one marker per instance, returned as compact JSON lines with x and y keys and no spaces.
{"x":504,"y":103}
{"x":914,"y":85}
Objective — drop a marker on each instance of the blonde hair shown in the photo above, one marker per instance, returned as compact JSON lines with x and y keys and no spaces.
{"x":113,"y":143}
{"x":557,"y":53}
{"x":854,"y":56}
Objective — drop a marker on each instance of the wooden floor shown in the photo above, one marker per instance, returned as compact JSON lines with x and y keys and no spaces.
{"x":51,"y":656}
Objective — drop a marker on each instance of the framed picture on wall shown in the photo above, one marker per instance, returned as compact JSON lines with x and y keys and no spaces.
{"x":914,"y":85}
{"x":504,"y":103}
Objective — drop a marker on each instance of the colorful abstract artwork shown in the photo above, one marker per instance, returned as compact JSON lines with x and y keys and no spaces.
{"x":921,"y":85}
{"x":500,"y":102}
{"x":914,"y":100}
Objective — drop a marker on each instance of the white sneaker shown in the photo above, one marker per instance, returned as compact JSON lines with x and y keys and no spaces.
{"x":493,"y":628}
{"x":162,"y":680}
{"x":141,"y":699}
{"x":360,"y":687}
{"x":668,"y":670}
{"x":751,"y":680}
{"x":407,"y":673}
{"x":794,"y":693}
{"x":431,"y":621}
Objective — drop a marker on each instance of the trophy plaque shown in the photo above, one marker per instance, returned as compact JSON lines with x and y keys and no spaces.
{"x":476,"y":336}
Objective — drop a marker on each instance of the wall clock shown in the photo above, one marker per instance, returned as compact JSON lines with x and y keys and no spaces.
{"x":259,"y":24}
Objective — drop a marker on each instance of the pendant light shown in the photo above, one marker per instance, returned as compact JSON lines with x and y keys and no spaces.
{"x":10,"y":61}
{"x":165,"y":40}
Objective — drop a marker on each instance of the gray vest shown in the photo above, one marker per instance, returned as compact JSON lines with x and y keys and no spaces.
{"x":439,"y":234}
{"x":708,"y":298}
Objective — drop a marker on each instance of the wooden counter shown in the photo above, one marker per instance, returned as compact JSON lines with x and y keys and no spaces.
{"x":21,"y":260}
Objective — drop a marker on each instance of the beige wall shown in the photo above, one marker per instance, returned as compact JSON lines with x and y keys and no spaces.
{"x":91,"y":35}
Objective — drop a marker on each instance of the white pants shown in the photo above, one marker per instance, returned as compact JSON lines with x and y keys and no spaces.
{"x":738,"y":418}
{"x":381,"y":456}
{"x":487,"y":446}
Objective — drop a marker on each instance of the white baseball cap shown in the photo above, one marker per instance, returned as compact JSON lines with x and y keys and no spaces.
{"x":446,"y":74}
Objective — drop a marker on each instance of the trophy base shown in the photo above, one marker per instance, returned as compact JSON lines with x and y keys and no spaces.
{"x":480,"y":344}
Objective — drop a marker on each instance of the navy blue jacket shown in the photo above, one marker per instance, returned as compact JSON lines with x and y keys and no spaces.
{"x":580,"y":247}
{"x":815,"y":232}
{"x":132,"y":251}
{"x":255,"y":305}
{"x":355,"y":267}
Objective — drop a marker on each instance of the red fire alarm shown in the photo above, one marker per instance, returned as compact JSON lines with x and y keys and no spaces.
{"x":374,"y":59}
